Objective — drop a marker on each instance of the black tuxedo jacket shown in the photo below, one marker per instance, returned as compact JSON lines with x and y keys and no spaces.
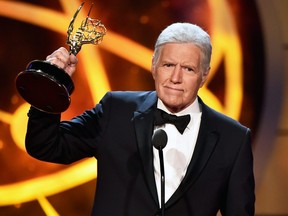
{"x":118,"y":132}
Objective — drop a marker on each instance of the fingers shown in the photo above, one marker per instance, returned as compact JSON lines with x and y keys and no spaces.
{"x":73,"y":60}
{"x":63,"y":59}
{"x":59,"y":57}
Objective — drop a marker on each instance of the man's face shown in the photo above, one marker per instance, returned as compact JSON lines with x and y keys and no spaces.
{"x":178,"y":76}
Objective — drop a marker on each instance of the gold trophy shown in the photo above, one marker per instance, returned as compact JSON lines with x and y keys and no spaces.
{"x":48,"y":87}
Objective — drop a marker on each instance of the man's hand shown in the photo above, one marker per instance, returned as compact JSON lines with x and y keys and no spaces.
{"x":64,"y":60}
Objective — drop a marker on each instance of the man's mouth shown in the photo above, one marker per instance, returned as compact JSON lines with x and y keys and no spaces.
{"x":174,"y":89}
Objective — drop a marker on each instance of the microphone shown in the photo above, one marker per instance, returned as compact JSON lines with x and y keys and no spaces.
{"x":159,"y":141}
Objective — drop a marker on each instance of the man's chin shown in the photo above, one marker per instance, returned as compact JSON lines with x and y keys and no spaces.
{"x":173,"y":106}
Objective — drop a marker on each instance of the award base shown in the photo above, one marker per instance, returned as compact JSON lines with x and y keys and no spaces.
{"x":45,"y":86}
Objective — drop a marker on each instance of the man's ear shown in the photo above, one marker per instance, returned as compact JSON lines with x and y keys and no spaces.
{"x":204,"y":76}
{"x":153,"y":67}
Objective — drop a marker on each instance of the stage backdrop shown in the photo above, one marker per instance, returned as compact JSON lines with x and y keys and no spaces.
{"x":33,"y":29}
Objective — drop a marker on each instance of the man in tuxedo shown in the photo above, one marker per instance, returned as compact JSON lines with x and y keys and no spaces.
{"x":208,"y":163}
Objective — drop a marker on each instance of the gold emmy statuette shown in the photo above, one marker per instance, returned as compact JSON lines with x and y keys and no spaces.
{"x":48,"y":87}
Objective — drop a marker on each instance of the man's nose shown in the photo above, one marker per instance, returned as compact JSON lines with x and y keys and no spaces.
{"x":176,"y":76}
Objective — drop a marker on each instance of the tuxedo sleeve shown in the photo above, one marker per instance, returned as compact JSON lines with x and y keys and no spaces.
{"x":52,"y":140}
{"x":240,"y":199}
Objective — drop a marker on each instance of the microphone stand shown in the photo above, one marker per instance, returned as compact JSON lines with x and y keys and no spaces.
{"x":162,"y":181}
{"x":159,"y":141}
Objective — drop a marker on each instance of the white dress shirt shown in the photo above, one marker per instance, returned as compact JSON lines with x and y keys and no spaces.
{"x":178,"y":151}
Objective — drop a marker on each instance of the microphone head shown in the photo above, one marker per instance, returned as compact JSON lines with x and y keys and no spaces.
{"x":159,"y":139}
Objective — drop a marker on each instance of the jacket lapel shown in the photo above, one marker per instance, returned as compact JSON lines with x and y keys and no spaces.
{"x":143,"y":123}
{"x":206,"y":142}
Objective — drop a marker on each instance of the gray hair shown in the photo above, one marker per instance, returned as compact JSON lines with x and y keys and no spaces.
{"x":185,"y":33}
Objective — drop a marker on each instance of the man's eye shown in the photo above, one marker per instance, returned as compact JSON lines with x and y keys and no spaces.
{"x":189,"y":69}
{"x":168,"y":65}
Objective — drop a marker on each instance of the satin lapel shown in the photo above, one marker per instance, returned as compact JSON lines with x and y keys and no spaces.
{"x":206,"y":142}
{"x":143,"y":122}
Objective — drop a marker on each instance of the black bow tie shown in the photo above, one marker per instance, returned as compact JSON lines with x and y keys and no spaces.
{"x":180,"y":122}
